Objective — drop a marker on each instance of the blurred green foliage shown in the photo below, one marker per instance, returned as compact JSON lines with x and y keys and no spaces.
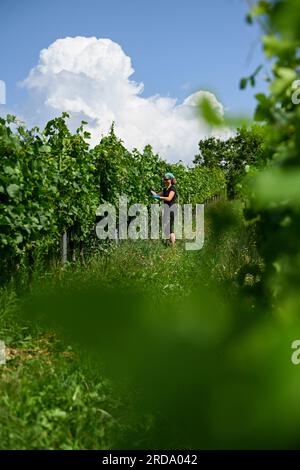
{"x":273,"y":194}
{"x":187,"y":333}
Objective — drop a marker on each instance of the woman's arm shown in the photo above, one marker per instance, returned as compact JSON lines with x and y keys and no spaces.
{"x":168,"y":198}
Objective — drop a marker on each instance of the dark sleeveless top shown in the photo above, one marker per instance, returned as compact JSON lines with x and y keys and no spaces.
{"x":166,"y":192}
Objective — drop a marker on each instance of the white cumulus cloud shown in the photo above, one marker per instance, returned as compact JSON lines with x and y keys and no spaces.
{"x":91,"y":79}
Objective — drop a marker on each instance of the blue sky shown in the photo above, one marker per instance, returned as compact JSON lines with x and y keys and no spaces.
{"x":176,"y":46}
{"x":179,"y":50}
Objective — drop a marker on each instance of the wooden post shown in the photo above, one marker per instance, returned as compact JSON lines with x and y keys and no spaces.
{"x":64,"y":248}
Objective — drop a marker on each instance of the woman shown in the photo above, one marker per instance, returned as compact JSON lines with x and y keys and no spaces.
{"x":169,"y":196}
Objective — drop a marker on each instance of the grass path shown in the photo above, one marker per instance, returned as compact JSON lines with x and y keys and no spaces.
{"x":52,"y":396}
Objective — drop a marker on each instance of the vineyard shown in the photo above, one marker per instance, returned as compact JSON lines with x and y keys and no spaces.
{"x":52,"y":182}
{"x":137,"y":344}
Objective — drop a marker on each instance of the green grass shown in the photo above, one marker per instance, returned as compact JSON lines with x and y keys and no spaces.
{"x":50,"y":397}
{"x":55,"y":396}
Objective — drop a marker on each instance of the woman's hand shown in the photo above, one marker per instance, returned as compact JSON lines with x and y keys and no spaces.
{"x":153,"y":193}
